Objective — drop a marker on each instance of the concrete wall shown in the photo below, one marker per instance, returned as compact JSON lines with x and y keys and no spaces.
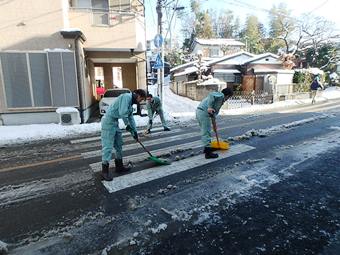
{"x":36,"y":25}
{"x":193,"y":90}
{"x":31,"y":25}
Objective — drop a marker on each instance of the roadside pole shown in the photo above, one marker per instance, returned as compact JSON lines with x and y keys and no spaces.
{"x":160,"y":71}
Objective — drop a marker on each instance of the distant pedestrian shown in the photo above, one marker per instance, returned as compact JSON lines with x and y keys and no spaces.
{"x":315,"y":85}
{"x":111,"y":135}
{"x":207,"y":109}
{"x":154,"y":106}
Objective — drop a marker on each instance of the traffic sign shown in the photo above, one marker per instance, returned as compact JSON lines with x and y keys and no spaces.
{"x":158,"y":63}
{"x":158,"y":40}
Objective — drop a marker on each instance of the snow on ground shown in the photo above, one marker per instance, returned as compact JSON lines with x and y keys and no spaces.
{"x":177,"y":108}
{"x":3,"y":248}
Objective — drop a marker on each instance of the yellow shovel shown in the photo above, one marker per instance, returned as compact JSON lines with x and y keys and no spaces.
{"x":218,"y":144}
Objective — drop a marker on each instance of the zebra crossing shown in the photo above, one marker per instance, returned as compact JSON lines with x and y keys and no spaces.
{"x":179,"y":136}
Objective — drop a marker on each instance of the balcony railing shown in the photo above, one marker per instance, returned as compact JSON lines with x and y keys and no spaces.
{"x":109,"y":17}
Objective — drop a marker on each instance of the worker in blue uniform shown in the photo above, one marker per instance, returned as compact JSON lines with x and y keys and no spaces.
{"x":111,"y":135}
{"x":154,"y":106}
{"x":207,"y":109}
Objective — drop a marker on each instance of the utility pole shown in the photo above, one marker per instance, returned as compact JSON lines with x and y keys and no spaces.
{"x":160,"y":71}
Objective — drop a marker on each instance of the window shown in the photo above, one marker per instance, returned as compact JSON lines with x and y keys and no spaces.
{"x":120,"y":5}
{"x":100,"y":18}
{"x":15,"y":72}
{"x":90,"y":4}
{"x":213,"y":52}
{"x":39,"y":79}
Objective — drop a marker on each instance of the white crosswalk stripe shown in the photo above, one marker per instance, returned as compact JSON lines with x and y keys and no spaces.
{"x":129,"y":138}
{"x":97,"y":153}
{"x":96,"y":167}
{"x":147,"y":175}
{"x":125,"y":134}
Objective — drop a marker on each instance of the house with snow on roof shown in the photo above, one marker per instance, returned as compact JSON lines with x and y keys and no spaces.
{"x":262,"y":73}
{"x":217,"y":47}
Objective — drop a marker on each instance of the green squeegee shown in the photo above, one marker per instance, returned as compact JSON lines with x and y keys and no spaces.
{"x":153,"y":158}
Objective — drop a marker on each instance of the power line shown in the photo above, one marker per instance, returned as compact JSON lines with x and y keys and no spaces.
{"x":318,"y":7}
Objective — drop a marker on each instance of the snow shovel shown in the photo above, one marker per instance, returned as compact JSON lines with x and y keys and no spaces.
{"x":218,"y":144}
{"x":153,"y":158}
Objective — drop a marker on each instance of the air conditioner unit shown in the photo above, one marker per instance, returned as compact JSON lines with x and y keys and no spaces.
{"x":68,"y":116}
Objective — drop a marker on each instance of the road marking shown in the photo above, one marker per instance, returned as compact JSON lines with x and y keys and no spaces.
{"x":147,"y":175}
{"x":96,"y":167}
{"x":130,"y":138}
{"x":125,"y":134}
{"x":41,"y":163}
{"x":97,"y":153}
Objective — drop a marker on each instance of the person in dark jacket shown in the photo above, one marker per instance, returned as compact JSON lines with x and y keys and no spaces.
{"x":315,"y":85}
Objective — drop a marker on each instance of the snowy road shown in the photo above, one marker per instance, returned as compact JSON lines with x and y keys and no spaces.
{"x":275,"y":192}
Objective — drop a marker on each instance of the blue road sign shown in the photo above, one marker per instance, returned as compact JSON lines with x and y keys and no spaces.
{"x":158,"y":40}
{"x":158,"y":63}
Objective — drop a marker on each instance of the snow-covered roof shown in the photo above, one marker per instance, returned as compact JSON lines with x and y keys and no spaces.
{"x":261,"y":56}
{"x":231,"y":56}
{"x":183,"y":65}
{"x":226,"y":71}
{"x":219,"y":41}
{"x":74,"y":29}
{"x":266,"y":70}
{"x":191,"y":69}
{"x":312,"y":70}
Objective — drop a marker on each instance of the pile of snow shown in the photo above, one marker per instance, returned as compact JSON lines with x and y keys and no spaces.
{"x":331,"y":93}
{"x":27,"y":133}
{"x":212,"y":81}
{"x":3,"y":248}
{"x":66,"y":109}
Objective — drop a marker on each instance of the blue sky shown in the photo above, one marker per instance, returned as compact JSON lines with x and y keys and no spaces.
{"x":327,"y":8}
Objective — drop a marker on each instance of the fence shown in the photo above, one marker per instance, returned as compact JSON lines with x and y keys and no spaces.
{"x":244,"y":99}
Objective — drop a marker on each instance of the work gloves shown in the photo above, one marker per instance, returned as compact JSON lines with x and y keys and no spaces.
{"x":133,"y":132}
{"x":129,"y":128}
{"x":211,"y":112}
{"x":135,"y":135}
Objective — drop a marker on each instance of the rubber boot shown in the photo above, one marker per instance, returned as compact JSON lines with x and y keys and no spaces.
{"x":167,"y":129}
{"x":120,"y":168}
{"x":106,"y":174}
{"x":209,"y":153}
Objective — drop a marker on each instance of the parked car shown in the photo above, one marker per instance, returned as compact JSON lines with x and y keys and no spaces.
{"x":109,"y":97}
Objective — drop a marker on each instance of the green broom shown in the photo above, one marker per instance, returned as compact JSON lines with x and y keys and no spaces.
{"x":153,"y":158}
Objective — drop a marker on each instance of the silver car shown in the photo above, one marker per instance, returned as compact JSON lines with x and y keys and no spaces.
{"x":109,"y":97}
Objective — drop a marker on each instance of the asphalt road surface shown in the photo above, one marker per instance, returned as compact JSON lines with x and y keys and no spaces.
{"x":275,"y":191}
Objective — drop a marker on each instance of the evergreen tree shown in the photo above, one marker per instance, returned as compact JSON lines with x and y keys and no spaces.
{"x":281,"y":28}
{"x":252,"y":35}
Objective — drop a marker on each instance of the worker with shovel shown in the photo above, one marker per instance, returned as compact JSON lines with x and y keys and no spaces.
{"x":206,"y":111}
{"x":154,"y":107}
{"x":111,"y":135}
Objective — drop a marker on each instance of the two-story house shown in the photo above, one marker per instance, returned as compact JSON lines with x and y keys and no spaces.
{"x":49,"y":51}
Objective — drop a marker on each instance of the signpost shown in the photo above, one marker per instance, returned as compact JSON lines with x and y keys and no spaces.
{"x":158,"y":41}
{"x":159,"y":64}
